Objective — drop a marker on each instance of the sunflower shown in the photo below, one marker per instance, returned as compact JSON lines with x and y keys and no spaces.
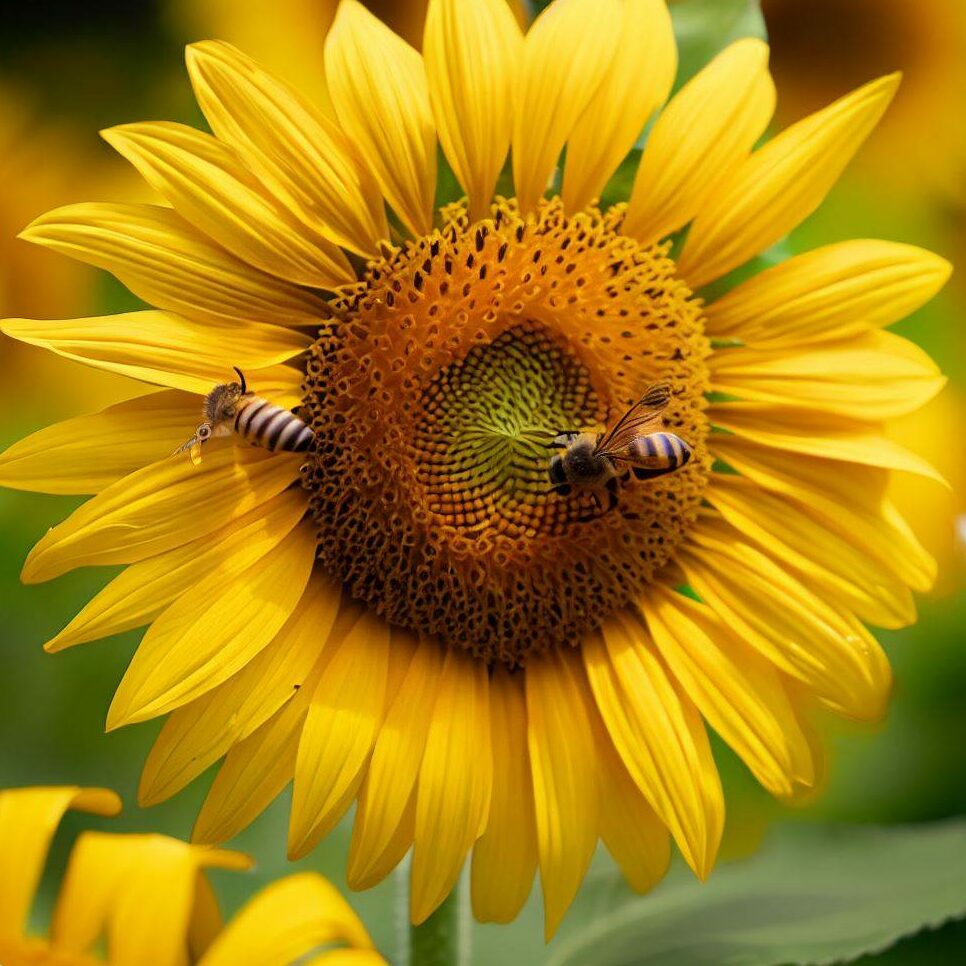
{"x":821,"y":48}
{"x":410,"y":618}
{"x":150,"y":898}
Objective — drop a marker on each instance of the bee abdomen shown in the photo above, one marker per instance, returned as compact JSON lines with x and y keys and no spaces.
{"x":660,"y":452}
{"x":265,"y":424}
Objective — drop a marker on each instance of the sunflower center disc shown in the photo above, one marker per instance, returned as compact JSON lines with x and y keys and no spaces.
{"x":433,"y":403}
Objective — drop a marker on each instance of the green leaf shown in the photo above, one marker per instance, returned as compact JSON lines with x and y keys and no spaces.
{"x":813,"y":895}
{"x":705,"y":27}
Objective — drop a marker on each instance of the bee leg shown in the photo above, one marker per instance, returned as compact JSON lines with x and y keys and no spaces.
{"x":613,"y":486}
{"x":565,"y":489}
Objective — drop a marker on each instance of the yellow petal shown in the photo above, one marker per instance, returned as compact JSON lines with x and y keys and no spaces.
{"x":660,"y":738}
{"x":343,"y":721}
{"x":455,"y":781}
{"x":254,"y":772}
{"x":845,"y":497}
{"x":817,"y":434}
{"x":161,"y":507}
{"x":347,"y":957}
{"x":197,"y":735}
{"x":161,"y":348}
{"x":806,"y":637}
{"x":737,"y":691}
{"x":781,"y":184}
{"x":393,"y":771}
{"x":206,"y":920}
{"x":300,"y":155}
{"x":144,"y":590}
{"x":564,"y":768}
{"x":142,"y":888}
{"x":638,"y":82}
{"x":634,"y":835}
{"x":875,"y":376}
{"x":28,"y":820}
{"x":88,"y":453}
{"x":505,"y":856}
{"x":168,"y":263}
{"x":213,"y":630}
{"x":834,"y":562}
{"x":701,"y":137}
{"x":285,"y":921}
{"x":830,"y":293}
{"x":378,"y":86}
{"x":472,"y":50}
{"x":206,"y":182}
{"x":568,"y":51}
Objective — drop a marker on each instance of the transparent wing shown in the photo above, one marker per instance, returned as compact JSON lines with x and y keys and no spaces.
{"x":642,"y":418}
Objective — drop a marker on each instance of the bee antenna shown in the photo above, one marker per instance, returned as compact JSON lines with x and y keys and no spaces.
{"x":241,"y":376}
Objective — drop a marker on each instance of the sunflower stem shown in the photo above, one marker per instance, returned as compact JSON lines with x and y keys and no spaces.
{"x":436,"y":942}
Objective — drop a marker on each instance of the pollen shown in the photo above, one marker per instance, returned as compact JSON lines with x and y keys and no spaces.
{"x":434,"y":400}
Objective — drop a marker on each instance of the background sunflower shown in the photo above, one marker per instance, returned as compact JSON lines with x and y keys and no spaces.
{"x":912,"y":772}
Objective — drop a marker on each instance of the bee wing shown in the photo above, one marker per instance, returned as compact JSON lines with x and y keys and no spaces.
{"x":642,"y":418}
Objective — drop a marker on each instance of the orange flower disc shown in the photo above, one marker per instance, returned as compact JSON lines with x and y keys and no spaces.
{"x":460,"y":356}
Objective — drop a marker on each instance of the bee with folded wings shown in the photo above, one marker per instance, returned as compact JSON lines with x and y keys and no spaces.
{"x":636,"y":444}
{"x":232,"y":408}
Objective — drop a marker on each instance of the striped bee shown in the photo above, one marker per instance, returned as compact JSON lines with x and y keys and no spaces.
{"x":635,"y":444}
{"x":230,"y":407}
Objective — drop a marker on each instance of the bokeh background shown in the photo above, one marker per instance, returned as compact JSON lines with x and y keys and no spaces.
{"x":68,"y":69}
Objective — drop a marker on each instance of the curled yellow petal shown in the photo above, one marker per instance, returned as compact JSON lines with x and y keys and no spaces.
{"x":472,"y":51}
{"x":781,"y":184}
{"x":207,"y":184}
{"x":637,"y":83}
{"x":287,"y":920}
{"x":830,"y":293}
{"x":28,"y":820}
{"x":700,"y":138}
{"x":378,"y":86}
{"x":295,"y":149}
{"x":568,"y":51}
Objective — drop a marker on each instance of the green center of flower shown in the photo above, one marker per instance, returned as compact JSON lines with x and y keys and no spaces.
{"x":434,"y":403}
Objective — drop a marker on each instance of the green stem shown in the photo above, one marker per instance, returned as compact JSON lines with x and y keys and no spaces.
{"x":437,"y":941}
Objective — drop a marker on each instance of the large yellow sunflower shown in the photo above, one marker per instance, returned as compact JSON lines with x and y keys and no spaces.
{"x":408,"y":618}
{"x":149,"y":897}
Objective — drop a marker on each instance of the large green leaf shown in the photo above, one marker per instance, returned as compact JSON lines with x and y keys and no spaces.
{"x":812,"y":895}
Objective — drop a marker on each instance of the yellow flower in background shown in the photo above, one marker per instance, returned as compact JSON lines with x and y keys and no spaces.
{"x":149,"y":898}
{"x":408,"y":617}
{"x":822,"y":48}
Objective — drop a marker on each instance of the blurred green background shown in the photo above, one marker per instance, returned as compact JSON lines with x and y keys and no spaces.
{"x":67,"y":69}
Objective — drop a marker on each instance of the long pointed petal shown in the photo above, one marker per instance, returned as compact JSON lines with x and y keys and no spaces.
{"x":379,"y":89}
{"x":207,"y":184}
{"x":299,"y":153}
{"x":781,"y":184}
{"x":638,"y":82}
{"x":566,"y":57}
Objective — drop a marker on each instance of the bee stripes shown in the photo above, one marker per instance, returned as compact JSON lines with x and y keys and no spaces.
{"x":657,"y":454}
{"x":276,"y":429}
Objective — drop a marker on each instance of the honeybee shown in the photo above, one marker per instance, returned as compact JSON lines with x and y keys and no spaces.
{"x":634,"y":444}
{"x":231,"y":407}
